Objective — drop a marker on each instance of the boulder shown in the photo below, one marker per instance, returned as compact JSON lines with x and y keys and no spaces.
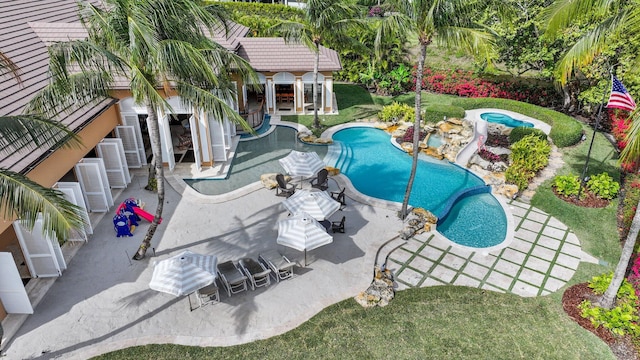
{"x":426,"y":215}
{"x":323,"y":141}
{"x":380,"y":292}
{"x":407,"y":146}
{"x":506,"y":190}
{"x":455,"y":121}
{"x":450,"y":128}
{"x":498,"y":167}
{"x":308,"y":139}
{"x":433,"y":152}
{"x":332,"y":171}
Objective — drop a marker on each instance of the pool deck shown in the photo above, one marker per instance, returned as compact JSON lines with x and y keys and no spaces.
{"x":103,"y":303}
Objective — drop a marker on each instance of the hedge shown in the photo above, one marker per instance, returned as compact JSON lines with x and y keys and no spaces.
{"x":437,"y":112}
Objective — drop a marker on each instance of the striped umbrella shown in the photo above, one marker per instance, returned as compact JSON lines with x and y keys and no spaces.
{"x":183,"y":274}
{"x":318,"y":204}
{"x":303,"y":164}
{"x":302,"y":232}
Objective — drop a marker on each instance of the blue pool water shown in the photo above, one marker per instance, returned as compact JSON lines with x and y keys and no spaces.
{"x":266,"y":124}
{"x":378,"y":169}
{"x":504,"y":119}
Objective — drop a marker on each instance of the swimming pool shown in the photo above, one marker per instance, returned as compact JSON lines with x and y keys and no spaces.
{"x":377,"y":168}
{"x":254,"y":158}
{"x":504,"y":119}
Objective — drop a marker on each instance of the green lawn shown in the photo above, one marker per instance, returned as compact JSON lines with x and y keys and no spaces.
{"x":445,"y":322}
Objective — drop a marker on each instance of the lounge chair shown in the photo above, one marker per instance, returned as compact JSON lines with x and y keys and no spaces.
{"x":284,"y":188}
{"x":257,"y":273}
{"x":339,"y":197}
{"x":208,"y":294}
{"x":338,"y":226}
{"x":232,"y":278}
{"x":281,"y":267}
{"x":321,"y":181}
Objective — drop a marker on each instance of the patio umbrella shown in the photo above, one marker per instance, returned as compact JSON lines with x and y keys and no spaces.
{"x":302,"y":232}
{"x":303,"y":164}
{"x":183,"y":274}
{"x":318,"y":204}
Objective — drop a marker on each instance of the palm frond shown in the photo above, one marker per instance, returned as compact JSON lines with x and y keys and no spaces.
{"x":9,"y":67}
{"x":25,"y":199}
{"x":29,"y":132}
{"x":561,"y":13}
{"x":588,"y":47}
{"x":631,"y":152}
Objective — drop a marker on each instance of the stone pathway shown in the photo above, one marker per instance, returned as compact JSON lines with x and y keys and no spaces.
{"x":542,"y":257}
{"x":555,"y":163}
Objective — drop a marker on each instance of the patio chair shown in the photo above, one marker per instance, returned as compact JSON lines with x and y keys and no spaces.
{"x":257,"y":273}
{"x":208,"y":294}
{"x":339,"y":196}
{"x":232,"y":278}
{"x":321,"y":181}
{"x":284,"y":188}
{"x":338,"y":226}
{"x":281,"y":267}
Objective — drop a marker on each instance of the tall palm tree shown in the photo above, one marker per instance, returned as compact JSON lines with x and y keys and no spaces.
{"x":448,"y":23}
{"x":616,"y":17}
{"x":323,"y":19}
{"x":21,"y":197}
{"x":158,"y":46}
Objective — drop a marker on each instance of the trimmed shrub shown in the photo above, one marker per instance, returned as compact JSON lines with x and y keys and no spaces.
{"x":603,"y":186}
{"x":437,"y":112}
{"x":528,"y":156}
{"x":567,"y":185}
{"x":518,"y":133}
{"x":397,"y":112}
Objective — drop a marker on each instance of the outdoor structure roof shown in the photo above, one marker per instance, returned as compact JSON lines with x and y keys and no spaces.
{"x":29,"y":26}
{"x":273,"y":54}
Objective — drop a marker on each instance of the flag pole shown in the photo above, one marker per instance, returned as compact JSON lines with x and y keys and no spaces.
{"x":583,"y":178}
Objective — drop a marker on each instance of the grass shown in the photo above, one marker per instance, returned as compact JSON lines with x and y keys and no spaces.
{"x":443,"y":322}
{"x":446,"y":322}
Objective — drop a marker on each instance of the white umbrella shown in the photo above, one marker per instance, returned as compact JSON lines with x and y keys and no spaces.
{"x":183,"y":274}
{"x":315,"y":203}
{"x":303,"y":164}
{"x":302,"y":232}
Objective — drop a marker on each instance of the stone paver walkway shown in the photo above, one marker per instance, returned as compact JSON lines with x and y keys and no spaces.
{"x":542,"y":257}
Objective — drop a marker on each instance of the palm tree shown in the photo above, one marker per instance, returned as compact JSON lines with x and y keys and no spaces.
{"x":616,"y":17}
{"x":446,"y":22}
{"x":322,"y":20}
{"x":158,"y":46}
{"x":21,"y":197}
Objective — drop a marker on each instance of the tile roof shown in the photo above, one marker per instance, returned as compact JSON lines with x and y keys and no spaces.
{"x":273,"y":54}
{"x":23,"y":24}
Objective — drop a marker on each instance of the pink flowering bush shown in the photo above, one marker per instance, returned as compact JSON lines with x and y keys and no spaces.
{"x":467,"y":84}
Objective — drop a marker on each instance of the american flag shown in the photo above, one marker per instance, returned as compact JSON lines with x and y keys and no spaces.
{"x":620,"y":98}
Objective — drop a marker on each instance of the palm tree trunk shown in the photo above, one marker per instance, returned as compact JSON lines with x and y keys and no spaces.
{"x":416,"y":130}
{"x":609,"y":298}
{"x":316,"y":121}
{"x":154,"y":135}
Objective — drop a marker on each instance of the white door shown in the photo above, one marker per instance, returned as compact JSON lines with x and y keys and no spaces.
{"x":123,"y":157}
{"x":132,"y":120}
{"x":13,"y":296}
{"x":130,"y":145}
{"x":41,"y":253}
{"x":193,"y":125}
{"x":74,"y":188}
{"x":113,"y":166}
{"x":74,"y":196}
{"x":93,"y":189}
{"x":166,"y":142}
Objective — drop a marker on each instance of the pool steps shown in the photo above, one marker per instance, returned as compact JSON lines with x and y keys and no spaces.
{"x":453,"y":199}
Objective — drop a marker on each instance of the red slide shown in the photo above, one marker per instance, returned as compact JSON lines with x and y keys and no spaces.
{"x":145,"y":215}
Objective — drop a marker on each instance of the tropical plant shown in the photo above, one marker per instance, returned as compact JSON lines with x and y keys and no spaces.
{"x":322,"y":19}
{"x":603,"y":186}
{"x":447,"y":22}
{"x":519,"y":132}
{"x":21,"y":197}
{"x":397,"y":112}
{"x":567,"y":185}
{"x":158,"y":46}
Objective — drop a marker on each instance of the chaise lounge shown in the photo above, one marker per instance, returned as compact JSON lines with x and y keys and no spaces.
{"x":257,"y":273}
{"x":232,"y":278}
{"x":281,"y":267}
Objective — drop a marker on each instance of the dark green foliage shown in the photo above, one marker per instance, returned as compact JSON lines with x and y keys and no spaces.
{"x":436,"y":112}
{"x":518,"y":133}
